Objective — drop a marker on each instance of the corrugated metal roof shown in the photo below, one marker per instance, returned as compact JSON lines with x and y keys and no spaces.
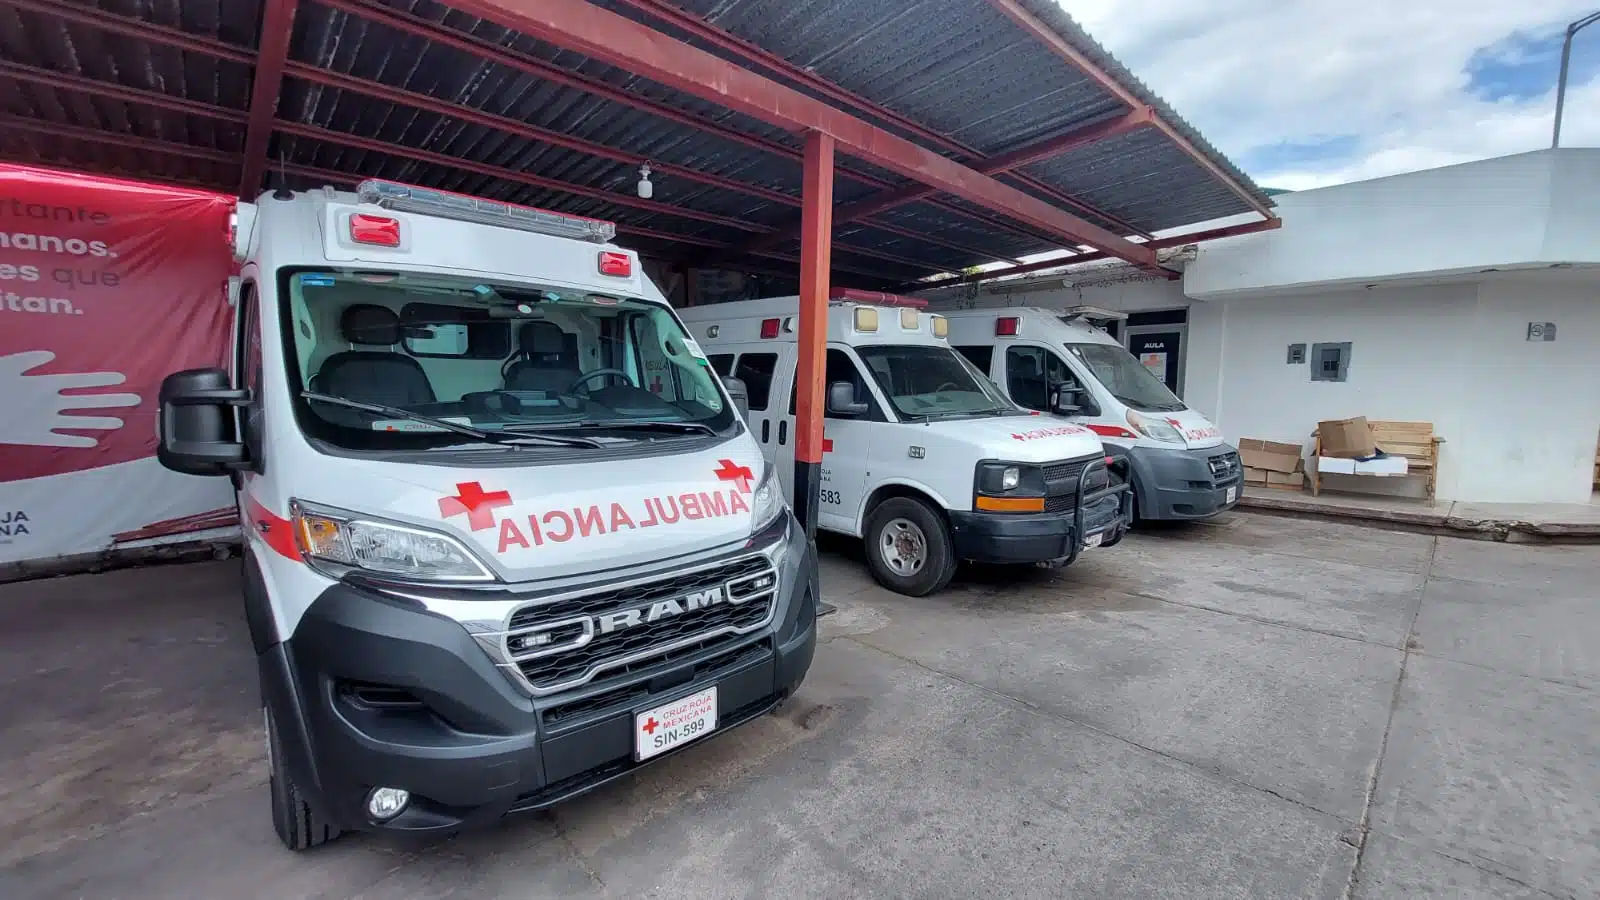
{"x":416,"y":91}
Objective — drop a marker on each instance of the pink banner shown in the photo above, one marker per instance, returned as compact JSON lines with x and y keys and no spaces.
{"x":106,"y":287}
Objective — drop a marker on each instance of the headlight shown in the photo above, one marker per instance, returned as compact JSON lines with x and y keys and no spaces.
{"x":1154,"y":429}
{"x":1005,"y":478}
{"x":349,"y":541}
{"x":766,"y":502}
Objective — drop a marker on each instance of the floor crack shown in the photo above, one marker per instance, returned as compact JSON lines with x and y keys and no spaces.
{"x":1364,"y":826}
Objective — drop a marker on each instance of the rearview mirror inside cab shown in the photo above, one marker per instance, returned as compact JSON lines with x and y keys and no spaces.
{"x":196,"y":425}
{"x":842,"y":400}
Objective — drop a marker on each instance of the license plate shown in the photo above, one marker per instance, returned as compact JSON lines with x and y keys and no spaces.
{"x":1233,"y":494}
{"x":655,"y":731}
{"x":1093,"y":541}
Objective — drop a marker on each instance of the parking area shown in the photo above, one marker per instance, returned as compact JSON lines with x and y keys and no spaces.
{"x":1255,"y":707}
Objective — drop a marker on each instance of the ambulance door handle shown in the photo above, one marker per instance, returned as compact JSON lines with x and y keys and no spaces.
{"x":766,"y":430}
{"x":783,"y":432}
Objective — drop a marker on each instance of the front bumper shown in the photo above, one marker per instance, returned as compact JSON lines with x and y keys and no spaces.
{"x":1181,"y":483}
{"x":471,"y":745}
{"x":988,"y":537}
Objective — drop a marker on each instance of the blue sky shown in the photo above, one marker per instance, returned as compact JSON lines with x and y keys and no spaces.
{"x":1307,"y":93}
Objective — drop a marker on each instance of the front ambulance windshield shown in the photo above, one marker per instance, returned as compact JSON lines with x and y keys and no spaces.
{"x":1125,"y":378}
{"x":930,"y":382}
{"x":504,"y":362}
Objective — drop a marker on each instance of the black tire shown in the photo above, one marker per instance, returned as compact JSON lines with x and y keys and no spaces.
{"x":292,"y":818}
{"x":939,"y":564}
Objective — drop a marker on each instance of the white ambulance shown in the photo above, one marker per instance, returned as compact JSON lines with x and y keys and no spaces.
{"x":507,"y":536}
{"x":922,"y":456}
{"x":1177,"y":462}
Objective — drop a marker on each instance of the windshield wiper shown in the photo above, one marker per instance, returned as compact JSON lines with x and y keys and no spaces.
{"x":644,"y":425}
{"x":521,"y":439}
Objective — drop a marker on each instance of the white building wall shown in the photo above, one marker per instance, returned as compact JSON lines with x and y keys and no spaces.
{"x":1531,"y":410}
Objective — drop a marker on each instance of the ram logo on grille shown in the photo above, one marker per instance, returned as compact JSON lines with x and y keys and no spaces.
{"x":662,"y":609}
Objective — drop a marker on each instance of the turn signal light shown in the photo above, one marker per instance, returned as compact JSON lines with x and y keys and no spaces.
{"x":1006,"y":326}
{"x":380,"y":230}
{"x":1010,"y":504}
{"x":617,"y":265}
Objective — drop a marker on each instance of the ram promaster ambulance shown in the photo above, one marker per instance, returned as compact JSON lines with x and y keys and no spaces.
{"x":922,"y":456}
{"x":1180,"y":468}
{"x":506,"y":535}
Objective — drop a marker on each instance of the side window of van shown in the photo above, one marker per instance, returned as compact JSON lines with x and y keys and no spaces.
{"x":755,"y":370}
{"x":1031,"y":373}
{"x":839,"y":368}
{"x":980,"y":355}
{"x":721,"y":363}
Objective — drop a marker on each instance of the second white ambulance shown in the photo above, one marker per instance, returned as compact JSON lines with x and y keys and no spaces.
{"x":1178,"y":465}
{"x":923,"y":457}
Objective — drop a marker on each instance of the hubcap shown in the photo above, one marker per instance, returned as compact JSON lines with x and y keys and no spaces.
{"x":904,"y":547}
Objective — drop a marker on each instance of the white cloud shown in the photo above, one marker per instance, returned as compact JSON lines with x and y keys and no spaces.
{"x":1355,"y":88}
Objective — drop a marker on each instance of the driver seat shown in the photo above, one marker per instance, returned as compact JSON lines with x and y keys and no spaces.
{"x":546,"y":365}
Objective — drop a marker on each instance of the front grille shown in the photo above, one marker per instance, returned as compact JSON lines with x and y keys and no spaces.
{"x":563,"y":643}
{"x":1061,"y":482}
{"x":628,"y":692}
{"x":1224,"y":466}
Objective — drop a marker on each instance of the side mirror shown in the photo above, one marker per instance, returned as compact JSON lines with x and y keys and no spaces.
{"x":1065,"y":401}
{"x":842,"y":400}
{"x":196,"y":424}
{"x":740,"y":392}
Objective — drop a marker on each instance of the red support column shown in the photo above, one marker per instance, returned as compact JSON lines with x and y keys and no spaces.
{"x":816,"y":245}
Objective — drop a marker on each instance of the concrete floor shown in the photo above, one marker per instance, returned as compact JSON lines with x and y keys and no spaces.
{"x":1261,"y":707}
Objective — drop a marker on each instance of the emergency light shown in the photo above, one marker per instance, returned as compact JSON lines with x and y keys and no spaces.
{"x":1006,"y":326}
{"x":446,"y":205}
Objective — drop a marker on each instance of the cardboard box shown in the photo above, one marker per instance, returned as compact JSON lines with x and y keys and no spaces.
{"x":1255,"y":476}
{"x":1346,"y":438}
{"x":1286,"y":479}
{"x":1388,"y":465}
{"x":1332,"y":466}
{"x":1272,"y":456}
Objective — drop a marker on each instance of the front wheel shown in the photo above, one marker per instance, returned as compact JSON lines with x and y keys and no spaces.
{"x":292,"y":818}
{"x":908,"y":547}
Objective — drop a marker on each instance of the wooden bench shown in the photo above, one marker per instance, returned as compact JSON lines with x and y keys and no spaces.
{"x":1413,"y":440}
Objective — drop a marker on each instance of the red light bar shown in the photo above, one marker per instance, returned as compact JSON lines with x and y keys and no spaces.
{"x":877,"y":298}
{"x":769,"y":328}
{"x":380,"y":230}
{"x":617,"y":265}
{"x":1006,"y":326}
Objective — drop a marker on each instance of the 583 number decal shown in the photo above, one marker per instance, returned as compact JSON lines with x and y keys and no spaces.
{"x":830,"y":497}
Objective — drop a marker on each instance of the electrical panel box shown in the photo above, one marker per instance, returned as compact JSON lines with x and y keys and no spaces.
{"x":1330,"y":362}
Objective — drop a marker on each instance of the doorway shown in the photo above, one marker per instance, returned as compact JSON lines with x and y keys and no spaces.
{"x":1157,"y":339}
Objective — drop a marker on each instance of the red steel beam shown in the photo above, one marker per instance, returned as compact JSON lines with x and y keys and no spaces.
{"x":1005,"y":162}
{"x":93,"y":87}
{"x":277,"y":24}
{"x":116,"y":139}
{"x":755,"y":53}
{"x":173,"y":37}
{"x":472,"y":45}
{"x":1177,"y":240}
{"x":816,"y":240}
{"x":605,"y":36}
{"x":138,"y":30}
{"x":1038,"y":30}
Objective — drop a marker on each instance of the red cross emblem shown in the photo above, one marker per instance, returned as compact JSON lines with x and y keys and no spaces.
{"x":478,"y":506}
{"x":741,"y":476}
{"x":655,"y":385}
{"x":650,"y":725}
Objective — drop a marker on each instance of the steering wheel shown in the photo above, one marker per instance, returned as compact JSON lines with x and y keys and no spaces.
{"x":587,"y":377}
{"x":948,"y":384}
